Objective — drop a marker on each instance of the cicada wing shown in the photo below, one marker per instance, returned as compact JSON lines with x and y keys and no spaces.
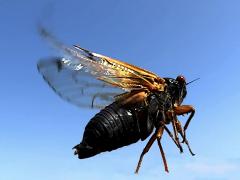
{"x":111,"y":71}
{"x":122,"y":74}
{"x":75,"y":84}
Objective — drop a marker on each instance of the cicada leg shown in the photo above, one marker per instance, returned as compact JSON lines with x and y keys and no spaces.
{"x":174,"y":140}
{"x":145,"y":150}
{"x":171,"y":116}
{"x":159,"y":136}
{"x":184,"y":109}
{"x":180,"y":131}
{"x":163,"y":155}
{"x":132,"y":97}
{"x":156,"y":135}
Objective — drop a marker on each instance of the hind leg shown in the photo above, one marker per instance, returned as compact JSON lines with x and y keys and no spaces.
{"x":156,"y":135}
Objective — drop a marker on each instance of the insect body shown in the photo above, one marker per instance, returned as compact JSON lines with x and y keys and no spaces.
{"x":134,"y":102}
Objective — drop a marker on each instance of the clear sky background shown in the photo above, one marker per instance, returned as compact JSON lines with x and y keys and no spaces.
{"x":198,"y":38}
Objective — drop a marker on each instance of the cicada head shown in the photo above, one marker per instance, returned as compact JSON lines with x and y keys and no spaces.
{"x":176,"y":89}
{"x":181,"y":90}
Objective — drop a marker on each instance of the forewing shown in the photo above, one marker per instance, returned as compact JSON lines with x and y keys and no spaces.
{"x":76,"y":84}
{"x":111,"y":71}
{"x":124,"y":75}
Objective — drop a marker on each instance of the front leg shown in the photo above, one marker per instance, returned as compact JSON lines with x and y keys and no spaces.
{"x":185,"y":109}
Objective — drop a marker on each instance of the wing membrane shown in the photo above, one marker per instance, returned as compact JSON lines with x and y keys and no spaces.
{"x":77,"y":87}
{"x":83,"y":74}
{"x":124,"y":75}
{"x":110,"y":70}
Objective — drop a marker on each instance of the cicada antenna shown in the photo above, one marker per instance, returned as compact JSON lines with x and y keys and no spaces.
{"x":193,"y":81}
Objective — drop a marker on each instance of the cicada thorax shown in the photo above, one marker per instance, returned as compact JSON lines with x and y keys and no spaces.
{"x":114,"y":127}
{"x":159,"y":104}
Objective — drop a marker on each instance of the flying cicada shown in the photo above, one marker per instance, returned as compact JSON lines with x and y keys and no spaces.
{"x":134,"y":102}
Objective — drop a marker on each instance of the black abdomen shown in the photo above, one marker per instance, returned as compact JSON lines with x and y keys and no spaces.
{"x":112,"y":128}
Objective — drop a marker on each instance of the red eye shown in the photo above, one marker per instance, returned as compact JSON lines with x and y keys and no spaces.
{"x":181,"y":79}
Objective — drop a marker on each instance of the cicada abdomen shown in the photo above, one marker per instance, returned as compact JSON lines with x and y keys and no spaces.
{"x":114,"y":127}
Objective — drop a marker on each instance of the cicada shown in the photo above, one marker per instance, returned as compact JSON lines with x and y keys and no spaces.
{"x":134,"y":103}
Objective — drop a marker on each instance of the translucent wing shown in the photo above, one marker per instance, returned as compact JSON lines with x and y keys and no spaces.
{"x":122,"y":74}
{"x":111,"y":71}
{"x":88,"y":79}
{"x":76,"y":86}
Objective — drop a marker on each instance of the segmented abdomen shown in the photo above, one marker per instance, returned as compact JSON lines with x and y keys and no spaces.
{"x":112,"y":128}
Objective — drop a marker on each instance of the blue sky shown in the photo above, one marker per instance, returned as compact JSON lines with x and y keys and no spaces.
{"x":198,"y":38}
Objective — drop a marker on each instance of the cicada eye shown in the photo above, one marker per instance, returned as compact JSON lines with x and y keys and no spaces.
{"x":181,"y":79}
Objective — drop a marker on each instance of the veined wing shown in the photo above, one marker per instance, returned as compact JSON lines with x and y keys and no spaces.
{"x":111,"y":71}
{"x":76,"y":86}
{"x":124,"y":75}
